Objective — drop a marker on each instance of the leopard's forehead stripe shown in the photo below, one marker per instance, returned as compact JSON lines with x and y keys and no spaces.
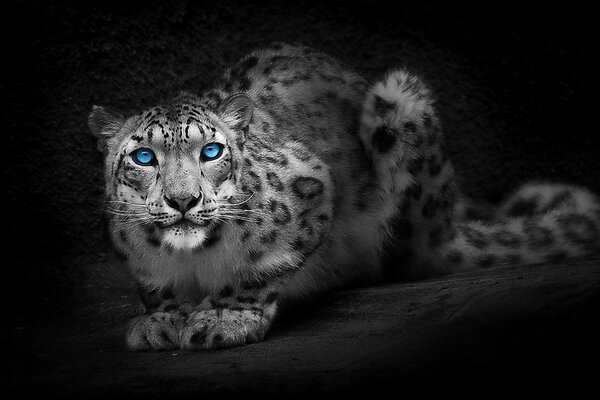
{"x":177,"y":130}
{"x":175,"y":126}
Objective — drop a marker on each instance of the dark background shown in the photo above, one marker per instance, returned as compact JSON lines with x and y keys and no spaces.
{"x":516,"y":87}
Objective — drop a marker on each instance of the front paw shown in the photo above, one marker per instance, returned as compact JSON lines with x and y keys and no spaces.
{"x":157,"y":331}
{"x":212,"y":329}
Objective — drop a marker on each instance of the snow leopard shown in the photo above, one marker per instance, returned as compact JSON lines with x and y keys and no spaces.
{"x":293,"y":176}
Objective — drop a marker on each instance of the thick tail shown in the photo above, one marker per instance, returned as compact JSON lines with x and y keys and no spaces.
{"x":540,"y":222}
{"x":425,"y":229}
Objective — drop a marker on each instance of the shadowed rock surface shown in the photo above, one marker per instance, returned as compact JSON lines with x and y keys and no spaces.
{"x":504,"y":327}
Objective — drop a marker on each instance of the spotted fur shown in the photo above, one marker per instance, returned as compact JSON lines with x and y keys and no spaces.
{"x":324,"y":181}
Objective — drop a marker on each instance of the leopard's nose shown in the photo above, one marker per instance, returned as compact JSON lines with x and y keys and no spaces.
{"x":182,"y":205}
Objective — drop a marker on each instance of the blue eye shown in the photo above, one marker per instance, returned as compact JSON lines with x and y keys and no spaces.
{"x":143,"y":157}
{"x":211,"y":151}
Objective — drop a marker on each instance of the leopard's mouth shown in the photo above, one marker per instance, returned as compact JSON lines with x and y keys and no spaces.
{"x":185,"y":225}
{"x":188,"y":235}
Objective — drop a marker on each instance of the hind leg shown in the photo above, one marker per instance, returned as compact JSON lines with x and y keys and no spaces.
{"x":416,"y":186}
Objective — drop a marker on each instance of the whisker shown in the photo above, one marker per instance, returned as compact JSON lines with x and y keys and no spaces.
{"x":236,"y":204}
{"x":226,"y":207}
{"x":242,"y":212}
{"x":233,"y":208}
{"x":235,"y":217}
{"x":239,"y":210}
{"x":235,"y":211}
{"x":134,"y":224}
{"x":129,"y":216}
{"x":125,"y":205}
{"x":128,"y":219}
{"x":125,"y":213}
{"x":125,"y":209}
{"x":125,"y":202}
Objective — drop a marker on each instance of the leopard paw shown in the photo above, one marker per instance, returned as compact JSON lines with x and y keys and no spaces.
{"x":212,"y":329}
{"x":157,"y":331}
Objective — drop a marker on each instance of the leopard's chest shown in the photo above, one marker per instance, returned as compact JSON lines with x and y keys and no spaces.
{"x":231,"y":261}
{"x":193,"y":274}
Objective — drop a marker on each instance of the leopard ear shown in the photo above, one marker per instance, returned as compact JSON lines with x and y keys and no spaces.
{"x":237,"y":111}
{"x":105,"y":122}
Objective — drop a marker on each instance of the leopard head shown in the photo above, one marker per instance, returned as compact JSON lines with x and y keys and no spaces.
{"x":172,"y":171}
